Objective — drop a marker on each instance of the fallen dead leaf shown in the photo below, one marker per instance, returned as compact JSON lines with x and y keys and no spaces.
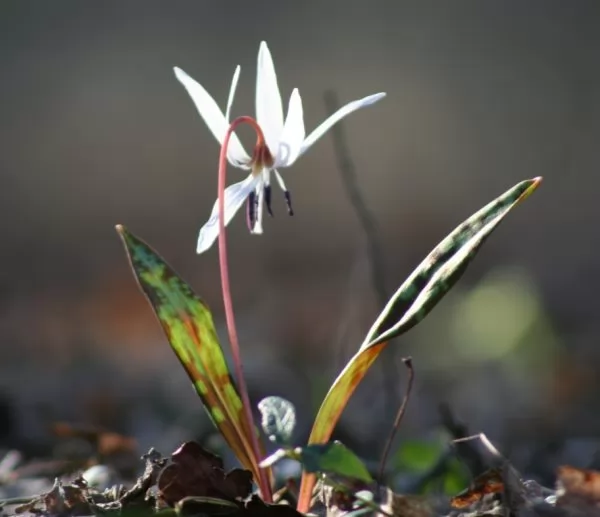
{"x":154,"y":463}
{"x":490,"y":482}
{"x":194,"y":471}
{"x":61,"y":501}
{"x":579,"y":482}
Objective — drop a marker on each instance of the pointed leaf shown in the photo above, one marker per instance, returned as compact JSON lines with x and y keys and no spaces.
{"x":329,"y":458}
{"x":188,"y":324}
{"x":334,"y":458}
{"x":415,"y":298}
{"x":440,"y":270}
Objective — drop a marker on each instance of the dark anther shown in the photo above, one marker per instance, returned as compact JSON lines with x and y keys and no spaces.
{"x":251,"y":210}
{"x":288,"y":202}
{"x":268,"y":199}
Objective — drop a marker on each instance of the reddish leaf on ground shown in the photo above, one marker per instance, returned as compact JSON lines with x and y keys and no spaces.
{"x":490,"y":482}
{"x":196,"y":472}
{"x":574,"y":483}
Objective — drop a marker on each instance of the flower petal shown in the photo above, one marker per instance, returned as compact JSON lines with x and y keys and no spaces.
{"x":293,"y":133}
{"x":214,"y":119}
{"x":269,"y":110}
{"x":337,"y":116}
{"x":234,"y":81}
{"x":235,"y":195}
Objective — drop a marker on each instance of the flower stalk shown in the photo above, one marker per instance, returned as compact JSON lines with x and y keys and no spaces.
{"x":263,"y":481}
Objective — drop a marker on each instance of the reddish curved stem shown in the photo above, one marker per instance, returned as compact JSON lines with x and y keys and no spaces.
{"x":263,"y":482}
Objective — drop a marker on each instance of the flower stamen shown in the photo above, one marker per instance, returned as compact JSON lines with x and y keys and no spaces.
{"x":251,"y":210}
{"x":268,"y":199}
{"x":288,"y":202}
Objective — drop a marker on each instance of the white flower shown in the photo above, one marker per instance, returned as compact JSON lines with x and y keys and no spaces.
{"x":285,"y":142}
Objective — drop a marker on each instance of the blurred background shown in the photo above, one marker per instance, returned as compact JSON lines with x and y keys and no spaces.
{"x":96,"y":131}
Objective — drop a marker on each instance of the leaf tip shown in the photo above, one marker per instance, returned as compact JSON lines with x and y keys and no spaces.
{"x":126,"y":237}
{"x":122,"y":231}
{"x":533,"y":185}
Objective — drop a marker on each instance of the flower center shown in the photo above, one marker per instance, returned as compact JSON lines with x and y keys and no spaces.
{"x":261,"y":158}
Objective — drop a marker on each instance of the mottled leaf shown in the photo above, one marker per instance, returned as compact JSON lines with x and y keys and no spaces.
{"x":440,"y":270}
{"x":188,"y":324}
{"x":278,"y":419}
{"x":423,"y":289}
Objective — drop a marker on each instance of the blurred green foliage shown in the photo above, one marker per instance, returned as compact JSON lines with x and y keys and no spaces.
{"x":419,"y":457}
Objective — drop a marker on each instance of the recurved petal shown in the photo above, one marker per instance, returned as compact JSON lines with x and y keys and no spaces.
{"x":269,"y":110}
{"x":337,"y":116}
{"x":235,"y":195}
{"x":293,"y":133}
{"x":213,"y":117}
{"x":234,"y":81}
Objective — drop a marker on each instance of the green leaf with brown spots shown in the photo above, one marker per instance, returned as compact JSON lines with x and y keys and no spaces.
{"x":414,"y":299}
{"x":189,"y":327}
{"x":440,"y":270}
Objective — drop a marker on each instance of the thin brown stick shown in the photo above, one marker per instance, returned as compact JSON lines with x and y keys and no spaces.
{"x":399,"y":416}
